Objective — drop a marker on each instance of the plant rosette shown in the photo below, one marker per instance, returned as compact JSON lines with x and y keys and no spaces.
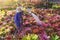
{"x":54,"y":25}
{"x":24,"y":17}
{"x":45,"y":20}
{"x":30,"y":37}
{"x":8,"y":37}
{"x":35,"y":30}
{"x":24,"y":38}
{"x":3,"y":28}
{"x":34,"y":37}
{"x":55,"y":37}
{"x":1,"y":32}
{"x":26,"y":22}
{"x":49,"y":14}
{"x":7,"y":30}
{"x":10,"y":27}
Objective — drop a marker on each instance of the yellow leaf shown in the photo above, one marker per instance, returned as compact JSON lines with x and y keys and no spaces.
{"x":2,"y":28}
{"x":1,"y":33}
{"x":7,"y":30}
{"x":49,"y":14}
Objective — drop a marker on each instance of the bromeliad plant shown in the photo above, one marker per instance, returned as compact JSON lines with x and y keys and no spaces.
{"x":30,"y":37}
{"x":34,"y":37}
{"x":55,"y":37}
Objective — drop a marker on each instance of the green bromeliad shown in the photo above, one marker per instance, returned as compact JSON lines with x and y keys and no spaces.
{"x":30,"y":37}
{"x":55,"y":37}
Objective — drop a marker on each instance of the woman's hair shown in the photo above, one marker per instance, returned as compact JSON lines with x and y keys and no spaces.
{"x":18,"y":9}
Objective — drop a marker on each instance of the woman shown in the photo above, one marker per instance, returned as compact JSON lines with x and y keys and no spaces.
{"x":18,"y":18}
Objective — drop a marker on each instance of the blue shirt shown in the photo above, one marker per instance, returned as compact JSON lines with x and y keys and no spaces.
{"x":18,"y":18}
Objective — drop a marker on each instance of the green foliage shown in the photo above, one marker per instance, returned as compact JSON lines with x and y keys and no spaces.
{"x":34,"y":36}
{"x":30,"y":37}
{"x":56,"y":6}
{"x":24,"y":38}
{"x":55,"y":37}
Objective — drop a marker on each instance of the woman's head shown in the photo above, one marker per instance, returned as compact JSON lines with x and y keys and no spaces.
{"x":19,"y":9}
